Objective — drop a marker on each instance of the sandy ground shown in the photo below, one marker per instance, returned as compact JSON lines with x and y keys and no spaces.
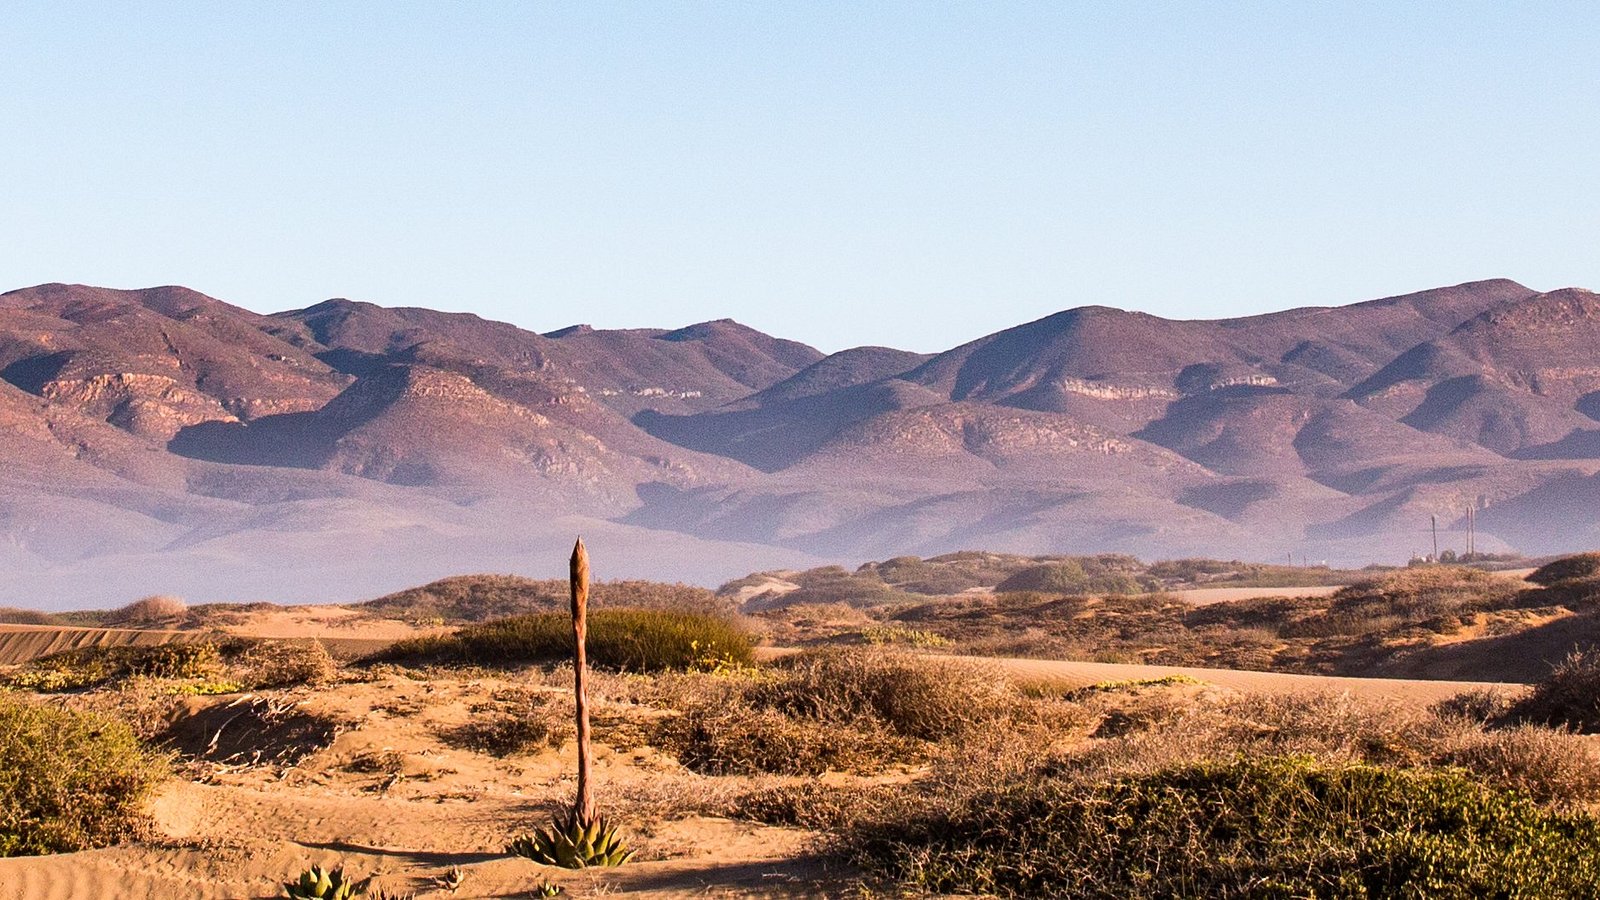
{"x":1204,"y":596}
{"x":395,"y":797}
{"x":1065,"y":674}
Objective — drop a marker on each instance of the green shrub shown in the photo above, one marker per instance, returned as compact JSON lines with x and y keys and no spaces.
{"x":68,"y":780}
{"x":92,"y":666}
{"x":632,"y":640}
{"x":237,"y":662}
{"x":898,"y":634}
{"x":1268,"y":828}
{"x":480,"y":598}
{"x":1069,"y":577}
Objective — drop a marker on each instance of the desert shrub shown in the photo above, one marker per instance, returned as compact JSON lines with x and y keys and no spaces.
{"x":1569,"y":697}
{"x":152,"y":610}
{"x":922,"y":697}
{"x":69,"y":780}
{"x":857,"y":709}
{"x":10,"y":615}
{"x":1479,"y":706}
{"x":739,"y":739}
{"x":633,"y":640}
{"x":1159,"y":731}
{"x":1549,"y":766}
{"x":830,"y":584}
{"x":232,"y":665}
{"x":1434,"y":597}
{"x":807,"y":804}
{"x":1130,"y":684}
{"x":1269,"y":827}
{"x":509,"y":735}
{"x":1254,"y":612}
{"x":1570,"y":568}
{"x":267,"y":663}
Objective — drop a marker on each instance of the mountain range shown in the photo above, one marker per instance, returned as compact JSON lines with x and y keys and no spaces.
{"x":160,"y":440}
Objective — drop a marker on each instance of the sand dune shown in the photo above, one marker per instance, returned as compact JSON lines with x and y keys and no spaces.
{"x":1067,"y":674}
{"x":1205,"y":596}
{"x":20,"y":643}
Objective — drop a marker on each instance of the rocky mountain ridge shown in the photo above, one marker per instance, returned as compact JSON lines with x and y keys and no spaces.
{"x":160,"y":439}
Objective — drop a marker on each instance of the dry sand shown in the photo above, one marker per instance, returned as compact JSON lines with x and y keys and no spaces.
{"x":1204,"y":596}
{"x":1066,"y":674}
{"x":239,"y":832}
{"x":20,"y":643}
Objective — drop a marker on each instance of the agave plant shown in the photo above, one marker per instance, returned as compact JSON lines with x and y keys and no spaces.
{"x":582,"y":839}
{"x":546,"y":889}
{"x":318,"y":883}
{"x":571,"y":844}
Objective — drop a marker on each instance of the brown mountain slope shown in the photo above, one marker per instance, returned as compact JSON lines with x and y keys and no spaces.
{"x":163,"y":440}
{"x":154,"y":361}
{"x":1515,"y":378}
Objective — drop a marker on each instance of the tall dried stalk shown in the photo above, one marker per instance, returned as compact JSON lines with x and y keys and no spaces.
{"x":583,"y":809}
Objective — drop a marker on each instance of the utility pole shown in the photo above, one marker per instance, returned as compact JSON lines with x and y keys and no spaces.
{"x":1472,"y":532}
{"x":1435,"y":520}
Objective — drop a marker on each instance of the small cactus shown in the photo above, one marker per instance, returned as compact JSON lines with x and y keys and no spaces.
{"x":546,"y":889}
{"x":571,"y":844}
{"x":318,"y":883}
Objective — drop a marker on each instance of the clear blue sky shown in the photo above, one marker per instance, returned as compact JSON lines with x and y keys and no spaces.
{"x":906,"y":174}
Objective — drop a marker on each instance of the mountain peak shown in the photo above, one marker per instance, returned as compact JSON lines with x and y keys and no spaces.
{"x":570,"y":330}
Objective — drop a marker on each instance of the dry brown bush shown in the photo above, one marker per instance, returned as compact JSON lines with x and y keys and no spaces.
{"x":1480,"y":706}
{"x":153,"y":610}
{"x":1569,"y":697}
{"x":258,"y":663}
{"x":1570,"y":568}
{"x":916,"y":696}
{"x":738,"y":739}
{"x":814,"y":805}
{"x":857,"y":709}
{"x":510,"y":734}
{"x":1549,"y":766}
{"x":1334,"y":728}
{"x":10,"y":615}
